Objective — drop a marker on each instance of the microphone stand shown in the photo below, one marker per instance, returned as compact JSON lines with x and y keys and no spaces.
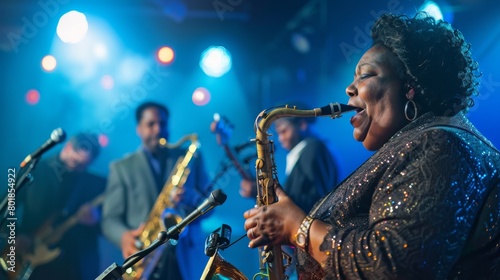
{"x":115,"y":271}
{"x":25,"y":177}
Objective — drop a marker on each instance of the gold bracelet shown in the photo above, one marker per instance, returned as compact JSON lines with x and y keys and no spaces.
{"x":302,"y":235}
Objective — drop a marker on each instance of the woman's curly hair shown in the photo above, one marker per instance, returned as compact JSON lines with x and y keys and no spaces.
{"x":434,"y":58}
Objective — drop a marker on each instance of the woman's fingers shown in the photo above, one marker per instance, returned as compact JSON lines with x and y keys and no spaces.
{"x":259,"y":240}
{"x":252,"y":212}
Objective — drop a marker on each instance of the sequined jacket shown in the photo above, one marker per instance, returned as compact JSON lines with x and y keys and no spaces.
{"x":424,"y":206}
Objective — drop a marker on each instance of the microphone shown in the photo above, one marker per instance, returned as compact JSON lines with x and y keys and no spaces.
{"x":57,"y":136}
{"x":215,"y":198}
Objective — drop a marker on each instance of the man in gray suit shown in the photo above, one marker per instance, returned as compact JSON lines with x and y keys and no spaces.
{"x":134,"y":183}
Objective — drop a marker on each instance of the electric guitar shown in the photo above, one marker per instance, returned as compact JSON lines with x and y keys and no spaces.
{"x":43,"y":241}
{"x":222,"y":129}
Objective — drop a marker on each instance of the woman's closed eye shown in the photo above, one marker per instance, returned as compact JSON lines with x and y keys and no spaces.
{"x":365,"y":76}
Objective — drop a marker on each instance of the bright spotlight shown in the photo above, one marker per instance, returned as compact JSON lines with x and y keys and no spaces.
{"x":72,"y":27}
{"x":165,"y":55}
{"x":201,"y":96}
{"x":49,"y":63}
{"x":432,"y":9}
{"x":215,"y":61}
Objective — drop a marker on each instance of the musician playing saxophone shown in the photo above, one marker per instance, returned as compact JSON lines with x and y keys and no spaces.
{"x":425,"y":204}
{"x":132,"y":189}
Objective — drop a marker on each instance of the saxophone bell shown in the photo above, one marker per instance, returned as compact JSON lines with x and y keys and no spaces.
{"x":217,"y":267}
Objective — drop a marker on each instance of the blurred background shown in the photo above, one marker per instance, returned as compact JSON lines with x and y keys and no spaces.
{"x":86,"y":65}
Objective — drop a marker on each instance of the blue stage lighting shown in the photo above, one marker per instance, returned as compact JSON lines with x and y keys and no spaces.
{"x":215,"y":61}
{"x":432,"y":9}
{"x":72,"y":27}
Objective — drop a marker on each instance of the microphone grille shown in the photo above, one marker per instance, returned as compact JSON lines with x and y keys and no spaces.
{"x":219,"y":196}
{"x":58,"y":135}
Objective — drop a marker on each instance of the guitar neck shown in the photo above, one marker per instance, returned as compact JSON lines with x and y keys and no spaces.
{"x":222,"y":129}
{"x":53,"y":236}
{"x":237,"y":164}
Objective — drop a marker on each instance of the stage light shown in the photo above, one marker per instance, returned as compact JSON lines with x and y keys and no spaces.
{"x":100,"y":51}
{"x":32,"y":97}
{"x":49,"y":63}
{"x":300,"y":42}
{"x":215,"y":61}
{"x":131,"y":69}
{"x":165,"y":55}
{"x":201,"y":96}
{"x":107,"y":82}
{"x":103,"y":140}
{"x":432,"y":9}
{"x":72,"y":27}
{"x":163,"y":141}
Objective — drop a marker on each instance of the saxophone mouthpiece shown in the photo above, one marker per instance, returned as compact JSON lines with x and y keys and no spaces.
{"x":335,"y":110}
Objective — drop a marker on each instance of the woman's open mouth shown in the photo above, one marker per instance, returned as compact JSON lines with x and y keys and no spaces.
{"x":358,"y":118}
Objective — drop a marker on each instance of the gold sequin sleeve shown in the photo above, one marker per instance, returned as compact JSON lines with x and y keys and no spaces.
{"x":420,"y":207}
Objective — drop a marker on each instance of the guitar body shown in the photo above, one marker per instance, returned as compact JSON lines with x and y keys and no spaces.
{"x":25,"y":263}
{"x":42,"y":252}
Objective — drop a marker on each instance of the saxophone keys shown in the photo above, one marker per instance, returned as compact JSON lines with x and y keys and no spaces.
{"x":268,"y":256}
{"x":259,"y":163}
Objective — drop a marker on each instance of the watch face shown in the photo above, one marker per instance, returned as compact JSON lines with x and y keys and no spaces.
{"x":301,"y":239}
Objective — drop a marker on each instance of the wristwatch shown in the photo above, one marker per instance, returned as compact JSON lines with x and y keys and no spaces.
{"x":302,"y":235}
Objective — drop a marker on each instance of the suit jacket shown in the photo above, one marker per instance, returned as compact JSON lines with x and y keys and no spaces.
{"x":131,"y":193}
{"x":313,"y":175}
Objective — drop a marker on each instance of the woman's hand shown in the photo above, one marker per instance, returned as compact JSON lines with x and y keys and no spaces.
{"x":274,"y":224}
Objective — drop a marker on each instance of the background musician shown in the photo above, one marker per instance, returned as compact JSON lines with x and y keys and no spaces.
{"x":133,"y":186}
{"x":62,"y":188}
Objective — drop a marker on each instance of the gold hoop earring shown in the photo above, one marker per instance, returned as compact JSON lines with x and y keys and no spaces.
{"x":414,"y":108}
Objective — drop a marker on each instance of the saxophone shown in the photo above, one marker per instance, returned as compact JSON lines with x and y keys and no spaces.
{"x":267,"y":179}
{"x":163,"y":216}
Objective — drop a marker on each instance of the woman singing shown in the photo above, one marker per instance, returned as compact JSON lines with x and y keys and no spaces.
{"x":426,"y":204}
